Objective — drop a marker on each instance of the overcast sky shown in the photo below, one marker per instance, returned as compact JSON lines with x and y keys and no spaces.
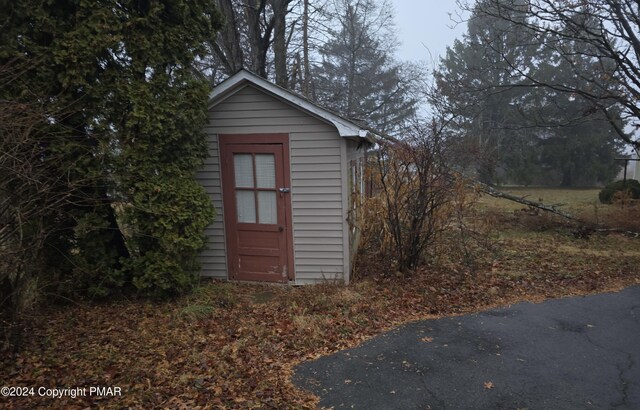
{"x":425,"y":29}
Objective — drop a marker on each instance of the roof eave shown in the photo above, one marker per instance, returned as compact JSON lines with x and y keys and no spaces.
{"x":345,"y":128}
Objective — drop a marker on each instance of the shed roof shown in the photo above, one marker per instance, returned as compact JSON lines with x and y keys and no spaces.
{"x":242,"y":78}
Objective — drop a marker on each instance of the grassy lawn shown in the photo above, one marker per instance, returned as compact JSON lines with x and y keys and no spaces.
{"x":231,"y":345}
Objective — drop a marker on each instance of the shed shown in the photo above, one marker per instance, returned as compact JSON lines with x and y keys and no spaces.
{"x":283,"y":174}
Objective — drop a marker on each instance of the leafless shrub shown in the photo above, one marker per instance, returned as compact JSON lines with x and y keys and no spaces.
{"x":412,"y":202}
{"x":34,"y":191}
{"x":472,"y":232}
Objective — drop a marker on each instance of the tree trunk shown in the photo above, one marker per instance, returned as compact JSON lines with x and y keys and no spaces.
{"x":227,"y":46}
{"x":259,"y":35}
{"x":351,"y":75}
{"x":279,"y":42}
{"x":305,"y":49}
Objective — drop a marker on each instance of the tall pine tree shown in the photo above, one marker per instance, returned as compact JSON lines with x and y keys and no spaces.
{"x":487,"y":119}
{"x":505,"y":126}
{"x":357,"y":76}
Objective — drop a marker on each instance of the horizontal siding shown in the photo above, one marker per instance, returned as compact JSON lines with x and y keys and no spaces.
{"x":212,"y":188}
{"x":316,"y":182}
{"x":308,"y":263}
{"x":303,"y":249}
{"x":233,"y":105}
{"x":320,"y":183}
{"x":319,"y":253}
{"x":213,"y":262}
{"x":316,"y":142}
{"x":257,"y":128}
{"x":311,"y":190}
{"x":248,"y":95}
{"x":260,"y":122}
{"x":319,"y":231}
{"x":317,"y":206}
{"x":210,"y":171}
{"x":325,"y":159}
{"x":317,"y":168}
{"x":214,"y":240}
{"x":316,"y":153}
{"x":263,"y":112}
{"x":304,"y":175}
{"x":213,"y":270}
{"x":328,"y":220}
{"x":315,"y":240}
{"x":313,"y":197}
{"x":320,"y":212}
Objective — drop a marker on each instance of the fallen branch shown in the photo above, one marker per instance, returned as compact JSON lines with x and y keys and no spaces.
{"x":521,"y":200}
{"x":585,"y":227}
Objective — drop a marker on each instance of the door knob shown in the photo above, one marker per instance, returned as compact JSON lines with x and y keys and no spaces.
{"x":285,"y":190}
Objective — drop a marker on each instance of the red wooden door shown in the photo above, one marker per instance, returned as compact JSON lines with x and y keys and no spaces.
{"x":257,"y":206}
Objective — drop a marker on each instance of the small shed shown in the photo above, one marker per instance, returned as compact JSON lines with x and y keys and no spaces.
{"x":284,"y":175}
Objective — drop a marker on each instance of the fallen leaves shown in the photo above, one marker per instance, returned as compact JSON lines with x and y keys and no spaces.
{"x":232,"y":345}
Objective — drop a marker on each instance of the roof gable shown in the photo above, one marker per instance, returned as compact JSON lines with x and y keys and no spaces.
{"x":242,"y":78}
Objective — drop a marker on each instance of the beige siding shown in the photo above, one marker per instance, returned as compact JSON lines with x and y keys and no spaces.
{"x":212,"y":260}
{"x":318,"y":160}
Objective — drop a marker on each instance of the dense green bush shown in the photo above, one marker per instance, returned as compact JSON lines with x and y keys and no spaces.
{"x":101,"y":171}
{"x":169,"y":216}
{"x":631,"y":185}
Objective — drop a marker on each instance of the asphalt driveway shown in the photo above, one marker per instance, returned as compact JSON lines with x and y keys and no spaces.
{"x":572,"y":353}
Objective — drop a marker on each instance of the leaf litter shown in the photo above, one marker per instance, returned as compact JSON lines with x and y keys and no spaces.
{"x":234,"y":345}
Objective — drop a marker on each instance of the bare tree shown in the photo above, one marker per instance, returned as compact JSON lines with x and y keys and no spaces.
{"x":280,"y":41}
{"x":36,"y":189}
{"x":252,"y":31}
{"x":606,"y":31}
{"x":228,"y":47}
{"x":357,"y":74}
{"x":416,"y":188}
{"x":305,"y":49}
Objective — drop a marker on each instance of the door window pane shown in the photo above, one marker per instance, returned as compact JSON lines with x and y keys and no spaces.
{"x":243,"y":166}
{"x":246,"y":206}
{"x":267,"y":208}
{"x":266,"y":170}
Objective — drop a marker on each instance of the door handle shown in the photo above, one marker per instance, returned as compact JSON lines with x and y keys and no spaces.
{"x":285,"y":190}
{"x":280,"y":228}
